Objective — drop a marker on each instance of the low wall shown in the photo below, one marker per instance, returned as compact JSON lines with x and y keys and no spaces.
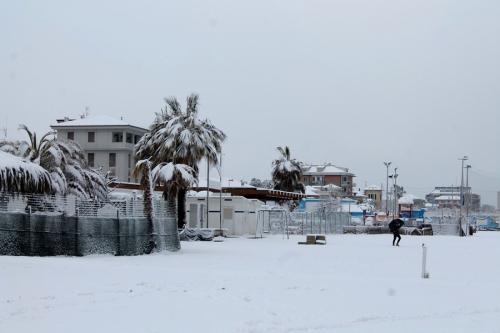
{"x":361,"y":229}
{"x":48,"y":235}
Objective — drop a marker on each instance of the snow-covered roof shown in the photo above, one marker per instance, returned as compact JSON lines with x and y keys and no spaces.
{"x":310,"y":190}
{"x":373,"y":188}
{"x":406,"y":200}
{"x":353,"y":208}
{"x":226,"y":182}
{"x":314,"y":190}
{"x":325,"y":169}
{"x":93,"y":121}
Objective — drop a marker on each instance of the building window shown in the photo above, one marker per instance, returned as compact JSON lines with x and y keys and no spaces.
{"x":91,"y":137}
{"x":117,"y":137}
{"x":137,"y":138}
{"x":112,"y":160}
{"x":71,"y":135}
{"x":344,"y":179}
{"x":129,"y":138}
{"x":129,"y":160}
{"x":90,"y":159}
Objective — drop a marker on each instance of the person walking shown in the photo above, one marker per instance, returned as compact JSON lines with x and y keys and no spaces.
{"x":394,"y":227}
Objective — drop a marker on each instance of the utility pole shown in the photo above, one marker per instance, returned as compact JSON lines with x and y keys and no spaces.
{"x":395,"y":191}
{"x":208,"y":185}
{"x":468,"y":197}
{"x":387,"y":164}
{"x":463,"y":159}
{"x":220,"y":193}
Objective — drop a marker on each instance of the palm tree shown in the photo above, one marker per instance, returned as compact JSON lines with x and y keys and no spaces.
{"x":19,"y":175}
{"x":36,"y":148}
{"x":65,"y":163}
{"x":173,"y":177}
{"x":142,"y":169}
{"x":286,"y":172}
{"x":181,"y":137}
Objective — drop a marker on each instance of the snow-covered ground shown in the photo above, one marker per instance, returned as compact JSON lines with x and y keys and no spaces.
{"x":356,"y":283}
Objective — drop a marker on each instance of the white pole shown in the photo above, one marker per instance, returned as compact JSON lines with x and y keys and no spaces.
{"x":425,"y":275}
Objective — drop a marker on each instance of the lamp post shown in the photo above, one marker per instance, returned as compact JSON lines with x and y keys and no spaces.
{"x":208,"y":186}
{"x":463,"y":159}
{"x":220,"y":191}
{"x":468,"y":197}
{"x":395,"y":191}
{"x":387,"y":164}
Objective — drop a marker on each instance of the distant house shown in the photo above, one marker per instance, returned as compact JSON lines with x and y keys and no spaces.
{"x":325,"y":174}
{"x":108,"y":142}
{"x":374,"y":193}
{"x":449,"y":197}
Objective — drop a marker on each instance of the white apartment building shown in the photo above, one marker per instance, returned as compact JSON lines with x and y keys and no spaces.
{"x":108,"y":142}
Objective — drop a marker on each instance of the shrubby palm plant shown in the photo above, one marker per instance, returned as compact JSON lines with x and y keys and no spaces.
{"x":286,"y":172}
{"x":180,"y":137}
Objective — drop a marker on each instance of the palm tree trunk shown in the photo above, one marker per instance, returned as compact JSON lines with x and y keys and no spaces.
{"x":148,"y":199}
{"x":148,"y":211}
{"x":172,"y":241}
{"x":181,"y":208}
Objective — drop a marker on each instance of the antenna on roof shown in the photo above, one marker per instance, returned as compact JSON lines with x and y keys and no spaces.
{"x":86,"y":113}
{"x":4,"y":132}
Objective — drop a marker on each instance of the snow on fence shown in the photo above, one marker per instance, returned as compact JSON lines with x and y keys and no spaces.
{"x":74,"y":206}
{"x":40,"y":225}
{"x":318,"y":222}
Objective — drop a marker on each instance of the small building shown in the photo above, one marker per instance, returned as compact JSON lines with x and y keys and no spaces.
{"x":108,"y":143}
{"x":325,"y":174}
{"x":407,"y":209}
{"x":374,"y":193}
{"x":239,"y":214}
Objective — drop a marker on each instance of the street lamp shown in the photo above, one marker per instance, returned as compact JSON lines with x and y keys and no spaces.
{"x":395,"y":178}
{"x":469,"y":194}
{"x":219,"y":170}
{"x":463,"y":159}
{"x":387,"y":164}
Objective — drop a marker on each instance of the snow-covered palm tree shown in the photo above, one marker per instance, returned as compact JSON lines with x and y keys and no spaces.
{"x":173,"y":177}
{"x":286,"y":172}
{"x":64,"y":161}
{"x":36,"y":148}
{"x":70,"y":172}
{"x":181,"y":137}
{"x":142,"y":170}
{"x":22,"y":176}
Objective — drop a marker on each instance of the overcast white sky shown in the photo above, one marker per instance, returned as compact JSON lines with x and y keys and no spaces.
{"x":350,"y":82}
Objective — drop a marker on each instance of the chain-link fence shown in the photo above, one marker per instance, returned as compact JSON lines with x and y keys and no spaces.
{"x":74,"y":206}
{"x":42,"y":225}
{"x":276,"y":221}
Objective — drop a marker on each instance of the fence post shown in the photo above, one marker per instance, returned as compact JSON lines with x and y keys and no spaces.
{"x":117,"y":228}
{"x":30,"y":232}
{"x":77,"y":234}
{"x":311,"y":219}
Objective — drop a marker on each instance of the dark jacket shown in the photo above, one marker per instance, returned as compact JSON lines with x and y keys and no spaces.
{"x":395,"y":225}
